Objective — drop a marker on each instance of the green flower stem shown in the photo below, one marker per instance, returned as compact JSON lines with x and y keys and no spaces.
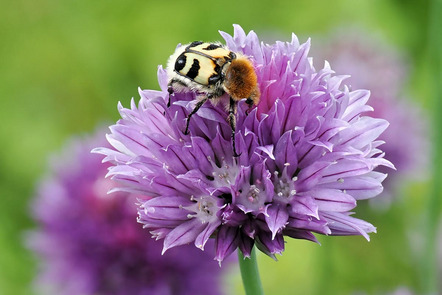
{"x":249,"y":273}
{"x":430,"y":276}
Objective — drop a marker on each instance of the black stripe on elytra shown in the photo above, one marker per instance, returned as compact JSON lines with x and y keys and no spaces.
{"x":194,"y":69}
{"x":212,"y":47}
{"x":180,"y":62}
{"x":194,"y":43}
{"x":215,"y":77}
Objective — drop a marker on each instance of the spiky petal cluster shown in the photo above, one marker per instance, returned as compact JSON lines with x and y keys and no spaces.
{"x":375,"y":65}
{"x":90,"y":243}
{"x":306,"y":155}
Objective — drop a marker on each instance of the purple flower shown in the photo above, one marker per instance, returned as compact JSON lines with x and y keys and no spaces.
{"x":306,"y":155}
{"x":376,"y":66}
{"x":90,"y":243}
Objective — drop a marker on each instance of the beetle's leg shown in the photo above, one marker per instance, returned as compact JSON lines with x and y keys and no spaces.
{"x":172,"y":86}
{"x":195,"y":109}
{"x":170,"y":90}
{"x":232,"y":121}
{"x":249,"y":101}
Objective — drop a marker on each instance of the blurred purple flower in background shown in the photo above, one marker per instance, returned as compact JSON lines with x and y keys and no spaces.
{"x":376,"y":66}
{"x":306,"y":156}
{"x":90,"y":243}
{"x":398,"y":291}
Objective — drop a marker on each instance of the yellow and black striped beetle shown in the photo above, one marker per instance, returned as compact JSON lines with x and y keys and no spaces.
{"x":210,"y":70}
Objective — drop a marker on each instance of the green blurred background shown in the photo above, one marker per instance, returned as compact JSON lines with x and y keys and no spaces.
{"x":64,"y":65}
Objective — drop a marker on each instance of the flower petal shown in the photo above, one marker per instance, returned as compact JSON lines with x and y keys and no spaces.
{"x":183,"y":234}
{"x":277,"y":218}
{"x":204,"y":236}
{"x":227,"y":241}
{"x":342,"y":224}
{"x":333,"y":200}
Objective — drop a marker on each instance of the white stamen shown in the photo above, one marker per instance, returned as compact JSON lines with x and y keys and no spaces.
{"x":254,"y":192}
{"x":224,"y":175}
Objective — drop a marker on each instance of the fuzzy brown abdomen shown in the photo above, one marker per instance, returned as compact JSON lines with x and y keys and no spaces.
{"x":241,"y":81}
